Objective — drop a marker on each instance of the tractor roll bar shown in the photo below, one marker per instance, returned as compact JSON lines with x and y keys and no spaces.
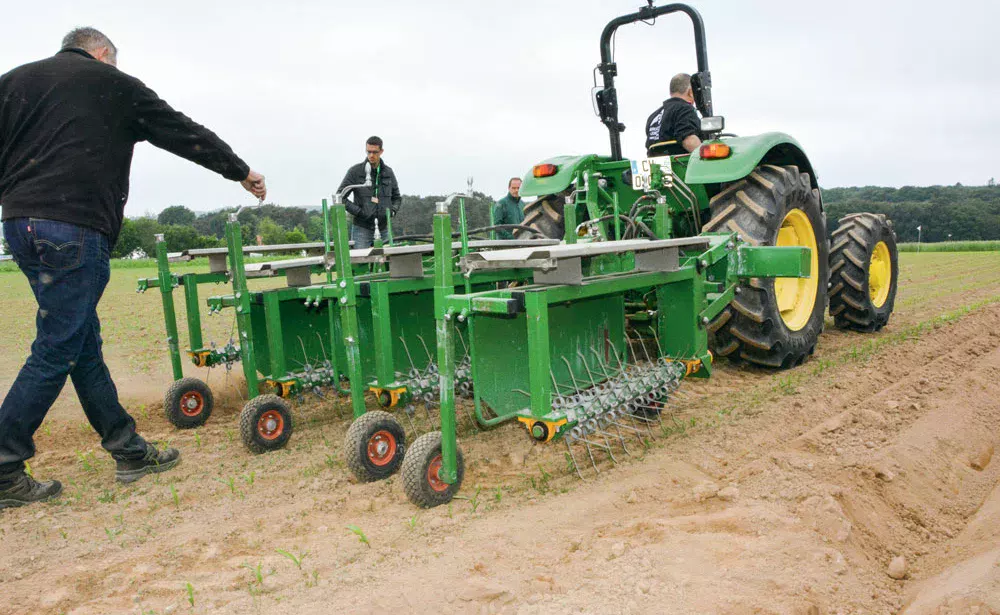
{"x":607,"y":99}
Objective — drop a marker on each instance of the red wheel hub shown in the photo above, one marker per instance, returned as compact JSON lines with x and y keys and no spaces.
{"x":381,"y":448}
{"x":192,"y":403}
{"x":433,"y":479}
{"x":271,"y":425}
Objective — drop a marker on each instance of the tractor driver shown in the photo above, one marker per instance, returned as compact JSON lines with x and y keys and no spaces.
{"x":674,"y":128}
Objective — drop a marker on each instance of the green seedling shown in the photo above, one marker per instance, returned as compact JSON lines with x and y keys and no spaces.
{"x":190,"y":594}
{"x":27,"y":470}
{"x":249,"y":478}
{"x":295,"y":559}
{"x":474,"y":500}
{"x":412,"y":522}
{"x":498,"y":496}
{"x":175,"y":496}
{"x":360,"y":534}
{"x":197,"y":439}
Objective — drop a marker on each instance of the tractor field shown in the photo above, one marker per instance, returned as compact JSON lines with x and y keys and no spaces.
{"x":762,"y":493}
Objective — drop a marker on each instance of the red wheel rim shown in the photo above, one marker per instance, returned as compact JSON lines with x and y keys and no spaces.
{"x":270,"y":425}
{"x":381,"y":448}
{"x":192,"y":403}
{"x":432,"y":476}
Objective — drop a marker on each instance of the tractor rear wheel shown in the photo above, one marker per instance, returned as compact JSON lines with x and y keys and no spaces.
{"x":773,"y":322}
{"x":545,"y":216}
{"x":864,"y":269}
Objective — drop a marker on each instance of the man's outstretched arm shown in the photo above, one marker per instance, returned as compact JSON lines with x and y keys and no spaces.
{"x":157,"y":122}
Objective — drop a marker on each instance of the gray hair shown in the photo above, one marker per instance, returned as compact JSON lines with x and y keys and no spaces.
{"x":88,"y":39}
{"x":680,"y":83}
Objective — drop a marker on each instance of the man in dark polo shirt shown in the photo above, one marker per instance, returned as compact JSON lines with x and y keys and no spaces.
{"x":674,"y":128}
{"x":68,"y":125}
{"x":509,"y":209}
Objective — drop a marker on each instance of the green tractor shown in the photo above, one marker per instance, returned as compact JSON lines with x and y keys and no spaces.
{"x":761,"y":187}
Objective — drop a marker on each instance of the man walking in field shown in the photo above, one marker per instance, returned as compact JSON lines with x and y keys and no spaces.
{"x":509,"y":209}
{"x":375,"y":203}
{"x":68,"y":125}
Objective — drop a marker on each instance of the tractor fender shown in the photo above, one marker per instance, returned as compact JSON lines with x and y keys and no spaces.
{"x":566,"y":169}
{"x":748,"y":153}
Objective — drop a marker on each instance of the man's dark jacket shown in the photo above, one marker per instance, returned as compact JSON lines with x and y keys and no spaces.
{"x":68,"y":125}
{"x":362,"y":208}
{"x":675,"y":120}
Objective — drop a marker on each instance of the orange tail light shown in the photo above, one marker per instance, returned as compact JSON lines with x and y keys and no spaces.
{"x":714,"y":151}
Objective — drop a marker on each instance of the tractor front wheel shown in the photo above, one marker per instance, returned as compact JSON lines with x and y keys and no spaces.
{"x":773,"y":322}
{"x":266,"y":423}
{"x":375,"y":446}
{"x":421,"y":472}
{"x":188,"y":403}
{"x":864,"y":269}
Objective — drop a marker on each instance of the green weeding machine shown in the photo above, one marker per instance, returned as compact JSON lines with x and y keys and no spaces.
{"x":664,"y":264}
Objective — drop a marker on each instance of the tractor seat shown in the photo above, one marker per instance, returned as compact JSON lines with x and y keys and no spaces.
{"x":664,"y":148}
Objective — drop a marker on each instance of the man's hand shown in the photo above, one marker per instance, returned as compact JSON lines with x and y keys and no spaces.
{"x":254,"y":184}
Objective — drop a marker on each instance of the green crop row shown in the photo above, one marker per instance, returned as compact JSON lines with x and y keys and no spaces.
{"x":952,"y":246}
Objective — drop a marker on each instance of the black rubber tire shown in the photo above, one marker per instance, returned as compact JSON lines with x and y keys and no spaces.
{"x":356,"y":448}
{"x":545,"y":216}
{"x":253,"y":411}
{"x":418,"y":459}
{"x":751,"y":327}
{"x":854,"y":241}
{"x":184,"y":391}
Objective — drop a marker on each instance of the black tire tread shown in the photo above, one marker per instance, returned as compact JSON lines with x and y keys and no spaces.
{"x":545,"y":215}
{"x":415,"y":463}
{"x":172,"y":400}
{"x":750,"y":328}
{"x":356,"y":443}
{"x":850,"y":304}
{"x":248,"y":423}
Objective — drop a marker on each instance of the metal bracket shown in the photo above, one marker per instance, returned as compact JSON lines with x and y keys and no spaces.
{"x":406,"y":266}
{"x":657,"y":260}
{"x":569,"y":271}
{"x":217,"y":263}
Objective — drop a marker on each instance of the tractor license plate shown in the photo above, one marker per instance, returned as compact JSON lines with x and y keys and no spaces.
{"x":643,"y":171}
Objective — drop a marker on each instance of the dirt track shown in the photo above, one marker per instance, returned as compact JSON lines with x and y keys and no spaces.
{"x":770,"y":493}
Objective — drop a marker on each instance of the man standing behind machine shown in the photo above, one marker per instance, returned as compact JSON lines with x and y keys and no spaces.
{"x":674,"y":128}
{"x":509,"y":209}
{"x":371,"y":203}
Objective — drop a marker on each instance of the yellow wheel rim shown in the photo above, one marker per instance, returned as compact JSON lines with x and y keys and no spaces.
{"x":879,"y":274}
{"x":797,"y":296}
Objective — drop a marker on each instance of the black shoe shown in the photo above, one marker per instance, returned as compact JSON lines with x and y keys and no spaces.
{"x":26,"y":490}
{"x":154,"y":462}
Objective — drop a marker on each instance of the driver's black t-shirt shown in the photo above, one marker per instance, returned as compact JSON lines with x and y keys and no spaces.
{"x":676,"y":120}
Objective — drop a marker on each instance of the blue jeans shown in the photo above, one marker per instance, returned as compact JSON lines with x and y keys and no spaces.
{"x":67,"y":268}
{"x":362,"y":237}
{"x":365,"y":237}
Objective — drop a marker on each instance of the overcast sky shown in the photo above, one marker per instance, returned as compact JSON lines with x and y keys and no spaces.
{"x":885,"y":93}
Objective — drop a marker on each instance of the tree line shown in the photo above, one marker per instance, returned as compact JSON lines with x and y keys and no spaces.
{"x":271,"y":224}
{"x":956,"y":213}
{"x":943,"y":213}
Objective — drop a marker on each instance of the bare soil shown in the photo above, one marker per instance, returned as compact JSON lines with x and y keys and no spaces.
{"x":764,"y":493}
